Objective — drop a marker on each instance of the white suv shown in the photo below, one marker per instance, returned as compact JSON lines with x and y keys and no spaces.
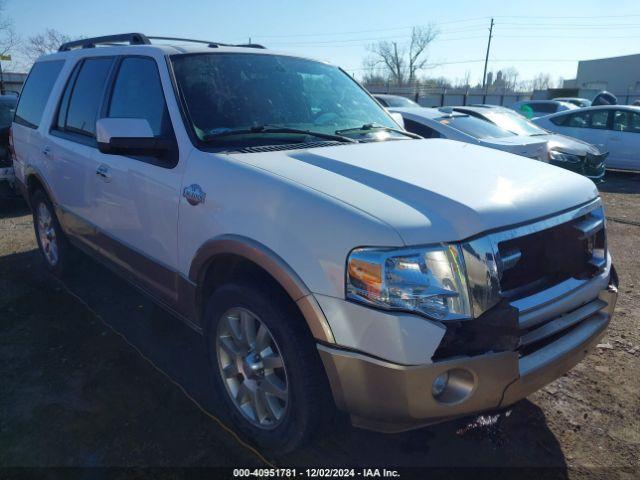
{"x":273,"y":205}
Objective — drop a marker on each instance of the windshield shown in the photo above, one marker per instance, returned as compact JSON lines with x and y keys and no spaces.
{"x":475,"y":127}
{"x":514,"y":122}
{"x":227,"y":92}
{"x":400,"y":102}
{"x":7,"y":109}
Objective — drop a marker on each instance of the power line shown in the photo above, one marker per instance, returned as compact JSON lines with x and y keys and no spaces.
{"x":552,"y":18}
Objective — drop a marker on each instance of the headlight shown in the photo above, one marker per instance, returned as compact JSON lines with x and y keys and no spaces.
{"x":557,"y":156}
{"x":426,"y":280}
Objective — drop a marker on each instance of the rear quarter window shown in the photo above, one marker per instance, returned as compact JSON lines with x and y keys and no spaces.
{"x":36,"y":92}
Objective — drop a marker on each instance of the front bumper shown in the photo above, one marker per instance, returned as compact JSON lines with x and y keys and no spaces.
{"x":389,"y":397}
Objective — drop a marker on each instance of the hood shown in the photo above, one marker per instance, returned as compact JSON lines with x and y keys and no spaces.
{"x":571,"y":145}
{"x":431,"y":190}
{"x":532,"y":147}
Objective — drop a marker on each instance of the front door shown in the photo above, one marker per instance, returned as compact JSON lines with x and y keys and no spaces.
{"x":590,"y":126}
{"x":137,"y":198}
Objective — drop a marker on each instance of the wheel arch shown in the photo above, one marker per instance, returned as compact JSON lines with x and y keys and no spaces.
{"x":227,"y":255}
{"x":33,"y":181}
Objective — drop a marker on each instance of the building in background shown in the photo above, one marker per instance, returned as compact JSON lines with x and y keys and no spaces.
{"x":13,"y":82}
{"x":618,"y":75}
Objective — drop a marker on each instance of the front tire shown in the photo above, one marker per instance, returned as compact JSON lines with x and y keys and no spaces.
{"x":265,"y":366}
{"x":52,"y":242}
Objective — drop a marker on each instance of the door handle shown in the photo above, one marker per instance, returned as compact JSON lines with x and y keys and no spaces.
{"x":46,"y":150}
{"x":104,"y":173}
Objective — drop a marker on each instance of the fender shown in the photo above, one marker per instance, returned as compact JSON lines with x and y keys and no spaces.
{"x":273,"y":264}
{"x":31,"y":171}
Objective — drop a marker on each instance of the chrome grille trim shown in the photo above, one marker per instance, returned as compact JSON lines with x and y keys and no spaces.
{"x":562,"y":322}
{"x":564,"y":297}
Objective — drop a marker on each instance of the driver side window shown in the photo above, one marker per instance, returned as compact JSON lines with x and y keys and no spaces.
{"x":137,"y":93}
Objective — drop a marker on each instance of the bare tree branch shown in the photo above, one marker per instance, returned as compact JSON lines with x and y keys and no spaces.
{"x":402,"y":62}
{"x":9,"y":40}
{"x":43,"y":43}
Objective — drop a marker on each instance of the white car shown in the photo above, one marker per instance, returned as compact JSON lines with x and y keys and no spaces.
{"x":612,"y":128}
{"x":326,"y":256}
{"x":539,"y":108}
{"x":444,"y":122}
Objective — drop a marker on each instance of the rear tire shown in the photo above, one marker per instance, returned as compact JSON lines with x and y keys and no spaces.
{"x":52,"y":241}
{"x":266,"y":366}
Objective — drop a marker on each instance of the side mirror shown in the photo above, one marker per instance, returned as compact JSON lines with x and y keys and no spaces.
{"x":129,"y":136}
{"x":398,"y":118}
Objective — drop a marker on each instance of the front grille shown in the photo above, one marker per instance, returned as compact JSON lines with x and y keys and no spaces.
{"x":534,"y":262}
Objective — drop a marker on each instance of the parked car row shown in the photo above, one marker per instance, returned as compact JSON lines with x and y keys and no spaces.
{"x":7,"y":109}
{"x":585,"y":140}
{"x":326,"y":256}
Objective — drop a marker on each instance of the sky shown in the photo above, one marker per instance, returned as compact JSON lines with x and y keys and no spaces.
{"x":534,"y":37}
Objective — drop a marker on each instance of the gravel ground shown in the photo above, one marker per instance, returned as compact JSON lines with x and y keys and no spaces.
{"x":94,"y":375}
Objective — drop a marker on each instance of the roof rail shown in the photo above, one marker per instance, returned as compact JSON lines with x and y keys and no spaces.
{"x":177,"y":39}
{"x":209,"y":43}
{"x":250,"y":45}
{"x":131,"y":38}
{"x":141,"y":39}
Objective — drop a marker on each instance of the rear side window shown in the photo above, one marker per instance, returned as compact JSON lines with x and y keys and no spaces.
{"x":36,"y":92}
{"x":590,"y":119}
{"x":544,"y":107}
{"x":137,"y":93}
{"x":86,"y":96}
{"x":419,"y":129}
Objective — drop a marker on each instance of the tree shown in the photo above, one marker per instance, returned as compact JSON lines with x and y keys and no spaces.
{"x":43,"y":43}
{"x":402,"y":62}
{"x":541,"y":81}
{"x":9,"y":40}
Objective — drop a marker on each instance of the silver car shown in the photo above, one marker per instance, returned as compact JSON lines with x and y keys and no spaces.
{"x":446,"y":123}
{"x":566,"y":152}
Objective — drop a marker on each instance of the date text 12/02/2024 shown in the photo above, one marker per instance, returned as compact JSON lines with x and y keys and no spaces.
{"x":316,"y":473}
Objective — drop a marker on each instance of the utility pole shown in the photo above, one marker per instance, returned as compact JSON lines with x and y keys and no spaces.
{"x":486,"y":59}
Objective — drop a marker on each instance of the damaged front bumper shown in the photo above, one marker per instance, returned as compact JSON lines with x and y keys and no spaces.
{"x":555,"y":334}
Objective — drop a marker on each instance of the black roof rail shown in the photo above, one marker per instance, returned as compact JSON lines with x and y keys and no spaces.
{"x":177,"y":39}
{"x":131,"y":38}
{"x":141,"y":39}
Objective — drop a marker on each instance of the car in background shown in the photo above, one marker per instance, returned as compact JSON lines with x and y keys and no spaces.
{"x":566,"y":152}
{"x":395,"y":101}
{"x":540,"y":108}
{"x":577,"y":101}
{"x":445,"y":123}
{"x":7,"y":109}
{"x":612,"y":128}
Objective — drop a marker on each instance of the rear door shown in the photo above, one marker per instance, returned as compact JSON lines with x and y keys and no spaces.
{"x":27,"y":131}
{"x":71,"y":144}
{"x":588,"y":125}
{"x":137,"y":197}
{"x":624,"y":140}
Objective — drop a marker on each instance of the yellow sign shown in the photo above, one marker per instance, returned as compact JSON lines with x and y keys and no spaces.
{"x":5,"y":57}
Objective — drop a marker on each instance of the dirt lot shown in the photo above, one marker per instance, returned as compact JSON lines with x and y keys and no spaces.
{"x":92,"y":374}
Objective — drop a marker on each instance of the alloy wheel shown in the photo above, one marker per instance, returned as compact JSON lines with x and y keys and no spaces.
{"x":252,"y":368}
{"x":47,"y":234}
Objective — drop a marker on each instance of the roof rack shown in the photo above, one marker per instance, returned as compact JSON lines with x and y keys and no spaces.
{"x":141,"y":39}
{"x":131,"y":38}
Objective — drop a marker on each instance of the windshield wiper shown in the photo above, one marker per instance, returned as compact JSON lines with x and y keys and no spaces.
{"x":373,"y":126}
{"x":264,"y":129}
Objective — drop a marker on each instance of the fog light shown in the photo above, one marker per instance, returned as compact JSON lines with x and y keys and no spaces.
{"x":439,"y":384}
{"x":453,"y":386}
